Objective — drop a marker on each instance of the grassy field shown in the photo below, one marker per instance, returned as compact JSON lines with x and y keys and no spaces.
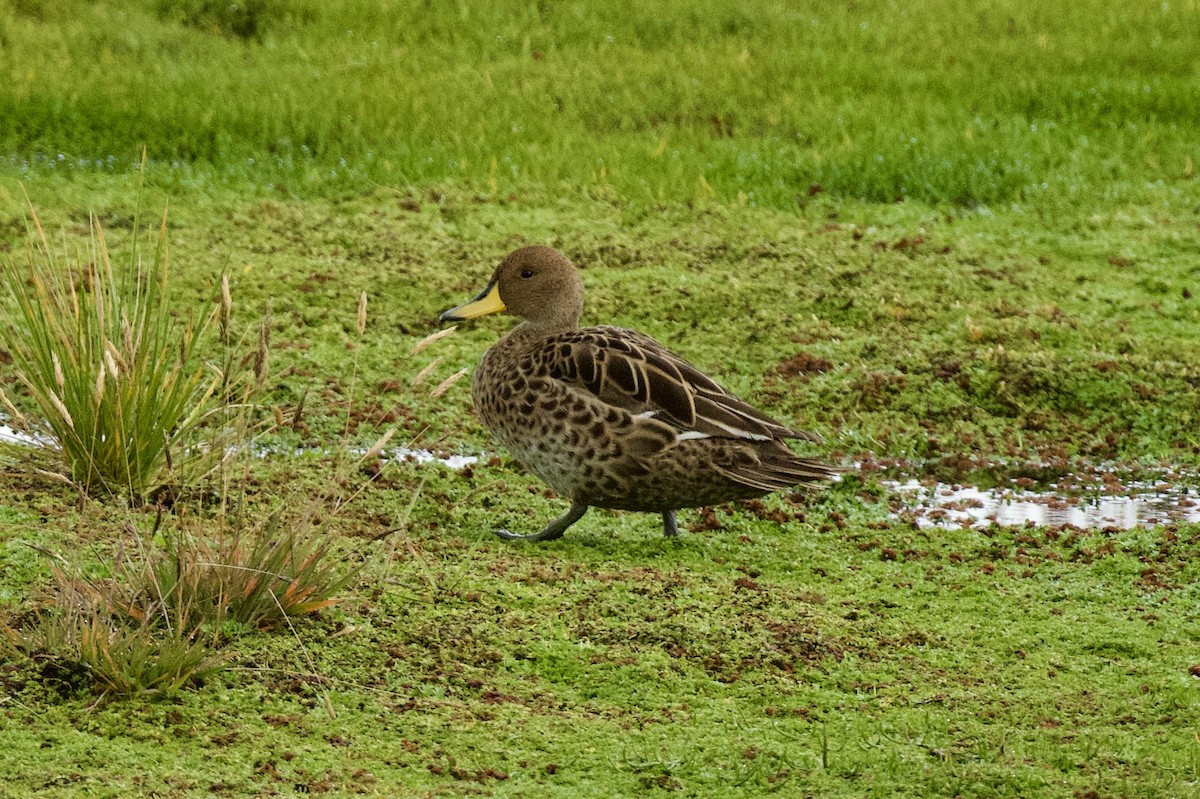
{"x":1071,"y":103}
{"x":958,"y":242}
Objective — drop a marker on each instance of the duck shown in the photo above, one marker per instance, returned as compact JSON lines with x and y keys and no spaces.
{"x":608,"y":417}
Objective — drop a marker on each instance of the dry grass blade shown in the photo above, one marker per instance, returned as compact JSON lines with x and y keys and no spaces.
{"x":226,"y":306}
{"x":432,"y":337}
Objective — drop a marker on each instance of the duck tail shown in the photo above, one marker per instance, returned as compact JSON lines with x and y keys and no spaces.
{"x":775,"y":471}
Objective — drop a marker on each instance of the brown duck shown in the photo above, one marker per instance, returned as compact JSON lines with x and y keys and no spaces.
{"x":609,"y":417}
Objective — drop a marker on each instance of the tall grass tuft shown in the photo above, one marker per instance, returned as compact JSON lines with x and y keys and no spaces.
{"x":237,"y":576}
{"x":156,"y":617}
{"x":116,"y":380}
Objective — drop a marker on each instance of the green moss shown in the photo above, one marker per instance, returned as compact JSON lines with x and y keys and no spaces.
{"x":834,"y":660}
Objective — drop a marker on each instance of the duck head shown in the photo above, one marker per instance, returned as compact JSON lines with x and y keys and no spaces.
{"x":537,"y":284}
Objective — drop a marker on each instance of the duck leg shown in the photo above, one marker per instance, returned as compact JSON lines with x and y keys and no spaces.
{"x":554,"y":529}
{"x":670,"y":529}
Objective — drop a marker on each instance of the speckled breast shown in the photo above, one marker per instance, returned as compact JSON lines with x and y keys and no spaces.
{"x":556,"y":432}
{"x":520,"y":412}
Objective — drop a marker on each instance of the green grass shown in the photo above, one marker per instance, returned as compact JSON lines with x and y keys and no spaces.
{"x":727,"y":180}
{"x":947,"y":341}
{"x":1077,"y":103}
{"x":842,"y":655}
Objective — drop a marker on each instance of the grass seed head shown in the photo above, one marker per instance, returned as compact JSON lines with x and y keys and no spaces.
{"x":444,"y":386}
{"x":378,"y":446}
{"x":15,"y":415}
{"x":426,"y":371}
{"x":61,"y":409}
{"x":432,"y":337}
{"x":59,"y":378}
{"x":111,"y":357}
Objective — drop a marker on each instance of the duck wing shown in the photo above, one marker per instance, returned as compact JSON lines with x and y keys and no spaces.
{"x":632,"y":371}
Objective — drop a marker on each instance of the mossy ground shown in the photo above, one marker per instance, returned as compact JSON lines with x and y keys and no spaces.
{"x":834,"y":654}
{"x":903,"y":331}
{"x":808,"y":644}
{"x":1028,"y":309}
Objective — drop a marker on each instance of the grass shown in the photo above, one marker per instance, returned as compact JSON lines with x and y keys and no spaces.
{"x":728,"y":182}
{"x":1031,"y":350}
{"x":160,"y":610}
{"x":255,"y":578}
{"x":78,"y":644}
{"x":738,"y":661}
{"x":116,"y":382}
{"x":843,"y":654}
{"x":760,"y":103}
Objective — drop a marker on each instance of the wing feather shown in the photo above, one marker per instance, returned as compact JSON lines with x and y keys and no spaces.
{"x":632,"y":371}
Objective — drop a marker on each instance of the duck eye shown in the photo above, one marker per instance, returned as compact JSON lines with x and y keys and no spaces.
{"x":526,"y":273}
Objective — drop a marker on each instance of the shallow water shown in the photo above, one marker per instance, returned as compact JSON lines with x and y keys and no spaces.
{"x":399,"y":454}
{"x":454,"y":462}
{"x":10,"y":436}
{"x":948,"y":506}
{"x":942,"y":505}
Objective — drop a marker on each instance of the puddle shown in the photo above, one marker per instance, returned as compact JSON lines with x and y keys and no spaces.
{"x":398,"y":454}
{"x":390,"y":454}
{"x":10,"y":436}
{"x":947,"y":506}
{"x":455,"y":462}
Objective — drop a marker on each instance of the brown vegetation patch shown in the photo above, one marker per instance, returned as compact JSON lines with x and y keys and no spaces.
{"x":803,"y":363}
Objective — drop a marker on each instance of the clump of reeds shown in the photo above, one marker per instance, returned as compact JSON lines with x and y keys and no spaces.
{"x":256,"y":577}
{"x":82,"y":637}
{"x":114,"y":381}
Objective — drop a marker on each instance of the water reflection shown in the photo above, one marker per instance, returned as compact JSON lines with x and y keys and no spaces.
{"x":942,"y":505}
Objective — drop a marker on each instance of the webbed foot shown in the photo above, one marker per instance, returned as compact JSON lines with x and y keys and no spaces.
{"x":553,"y":530}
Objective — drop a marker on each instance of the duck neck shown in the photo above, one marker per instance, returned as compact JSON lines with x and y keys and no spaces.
{"x":540,"y":328}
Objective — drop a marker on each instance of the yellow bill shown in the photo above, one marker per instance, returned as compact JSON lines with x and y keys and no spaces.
{"x":487,"y":302}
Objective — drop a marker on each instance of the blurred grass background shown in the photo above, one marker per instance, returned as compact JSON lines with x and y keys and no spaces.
{"x":1072,"y":103}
